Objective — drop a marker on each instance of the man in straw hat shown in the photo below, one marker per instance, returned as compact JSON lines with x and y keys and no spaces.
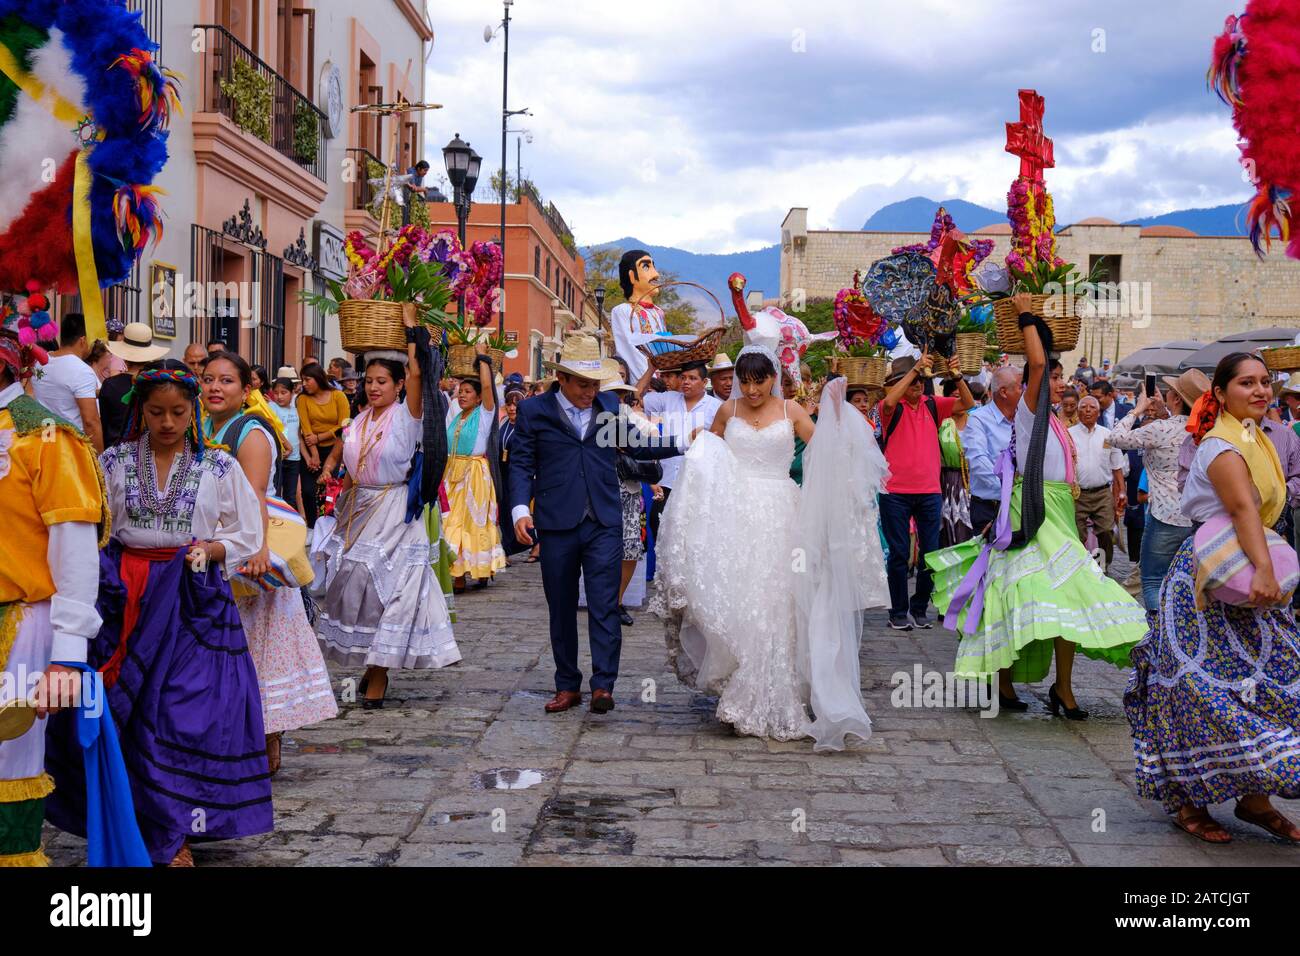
{"x":561,"y":458}
{"x":136,"y":348}
{"x":1160,"y":441}
{"x":722,"y":375}
{"x":49,"y":577}
{"x":909,"y":422}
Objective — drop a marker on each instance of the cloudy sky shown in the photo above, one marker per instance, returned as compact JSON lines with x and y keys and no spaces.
{"x":699,"y":124}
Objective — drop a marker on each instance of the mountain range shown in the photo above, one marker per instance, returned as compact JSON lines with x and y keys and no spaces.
{"x":762,"y":267}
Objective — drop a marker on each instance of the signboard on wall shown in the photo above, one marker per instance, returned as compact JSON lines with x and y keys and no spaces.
{"x":327,"y":247}
{"x":162,"y":299}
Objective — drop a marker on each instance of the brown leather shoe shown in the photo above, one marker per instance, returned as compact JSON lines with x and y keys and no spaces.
{"x":602,"y":702}
{"x":563,"y":700}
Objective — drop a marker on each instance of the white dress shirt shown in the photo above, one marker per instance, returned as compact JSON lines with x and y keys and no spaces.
{"x":1097,"y":460}
{"x":679,"y":422}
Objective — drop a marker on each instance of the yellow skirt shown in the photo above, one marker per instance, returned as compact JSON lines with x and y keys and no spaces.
{"x":471,"y":529}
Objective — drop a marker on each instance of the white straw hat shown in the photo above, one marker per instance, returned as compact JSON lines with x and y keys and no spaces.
{"x":137,"y":344}
{"x":581,"y":357}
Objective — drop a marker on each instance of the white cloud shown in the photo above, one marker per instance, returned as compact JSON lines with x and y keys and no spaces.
{"x":687,"y":124}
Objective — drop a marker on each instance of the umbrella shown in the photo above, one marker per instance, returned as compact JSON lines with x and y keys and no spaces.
{"x":1207,"y":358}
{"x":1158,"y":359}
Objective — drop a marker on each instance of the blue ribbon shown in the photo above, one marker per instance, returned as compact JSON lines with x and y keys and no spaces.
{"x":112,"y":833}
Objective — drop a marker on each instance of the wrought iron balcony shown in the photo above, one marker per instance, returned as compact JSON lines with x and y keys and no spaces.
{"x":368,"y":166}
{"x":241,"y":87}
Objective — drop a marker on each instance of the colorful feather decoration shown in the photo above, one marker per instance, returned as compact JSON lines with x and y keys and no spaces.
{"x":1256,"y":68}
{"x":159,"y":95}
{"x":138,"y":215}
{"x":1269,"y":212}
{"x":1229,"y":48}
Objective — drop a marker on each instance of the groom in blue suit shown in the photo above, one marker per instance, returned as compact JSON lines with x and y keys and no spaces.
{"x":562,"y":459}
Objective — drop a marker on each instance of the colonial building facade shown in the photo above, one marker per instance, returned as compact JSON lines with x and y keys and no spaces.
{"x":1165,"y":282}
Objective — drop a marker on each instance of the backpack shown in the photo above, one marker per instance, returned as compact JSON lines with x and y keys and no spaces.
{"x":927,"y":400}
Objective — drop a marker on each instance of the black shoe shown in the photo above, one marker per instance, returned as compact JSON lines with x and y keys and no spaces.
{"x":480,"y":584}
{"x":1011,"y":703}
{"x":900,"y":624}
{"x":624,"y":617}
{"x":375,"y":703}
{"x":1056,"y":704}
{"x":923,"y":623}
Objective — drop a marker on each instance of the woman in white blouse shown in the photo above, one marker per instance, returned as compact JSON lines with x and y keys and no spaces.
{"x":1214,"y":700}
{"x":381,"y":603}
{"x":181,"y":682}
{"x":295,"y":685}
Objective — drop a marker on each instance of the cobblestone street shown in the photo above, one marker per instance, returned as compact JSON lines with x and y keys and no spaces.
{"x":464,"y":768}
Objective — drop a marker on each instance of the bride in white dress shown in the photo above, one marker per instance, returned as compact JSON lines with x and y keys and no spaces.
{"x":762,"y":585}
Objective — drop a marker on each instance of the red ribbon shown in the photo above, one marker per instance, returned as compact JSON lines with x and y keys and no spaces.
{"x":135,"y":575}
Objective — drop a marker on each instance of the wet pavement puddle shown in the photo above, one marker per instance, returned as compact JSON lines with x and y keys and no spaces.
{"x":508,"y":779}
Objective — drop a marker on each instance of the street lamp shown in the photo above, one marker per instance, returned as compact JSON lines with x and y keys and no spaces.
{"x":463,"y":166}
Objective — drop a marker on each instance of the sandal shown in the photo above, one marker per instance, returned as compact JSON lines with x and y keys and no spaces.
{"x":183,"y":858}
{"x":273,"y":751}
{"x":1272,"y":821}
{"x":1202,"y":826}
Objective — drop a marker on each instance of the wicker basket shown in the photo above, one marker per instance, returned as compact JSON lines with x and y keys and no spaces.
{"x":703,"y":349}
{"x":370,"y":325}
{"x":970,"y":351}
{"x":1283,"y":359}
{"x":862,"y":370}
{"x":460,"y":360}
{"x":1060,"y":311}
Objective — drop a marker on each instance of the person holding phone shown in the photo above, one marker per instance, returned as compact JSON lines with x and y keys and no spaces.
{"x":1160,"y":441}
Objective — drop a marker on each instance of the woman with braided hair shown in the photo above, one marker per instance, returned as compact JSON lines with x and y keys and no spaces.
{"x":1027,"y":589}
{"x":180,"y":681}
{"x":1214,"y":700}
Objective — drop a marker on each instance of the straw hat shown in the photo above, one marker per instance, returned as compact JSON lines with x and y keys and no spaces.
{"x":1191,"y":385}
{"x":289,"y":372}
{"x":137,"y":344}
{"x":721,"y":363}
{"x":580,"y":356}
{"x":1291,"y":385}
{"x":617,"y":386}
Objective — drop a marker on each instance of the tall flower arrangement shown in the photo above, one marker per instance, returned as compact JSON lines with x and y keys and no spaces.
{"x":1033,"y":227}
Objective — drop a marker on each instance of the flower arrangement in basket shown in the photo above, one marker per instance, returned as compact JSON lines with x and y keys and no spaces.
{"x":973,"y":333}
{"x":865,"y":339}
{"x":1033,"y":264}
{"x":419,"y":267}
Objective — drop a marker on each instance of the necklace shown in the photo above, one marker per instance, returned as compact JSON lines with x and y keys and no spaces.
{"x":149,"y":477}
{"x":368,"y":442}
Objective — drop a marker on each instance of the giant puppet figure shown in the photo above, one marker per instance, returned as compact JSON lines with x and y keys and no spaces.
{"x":638,"y":321}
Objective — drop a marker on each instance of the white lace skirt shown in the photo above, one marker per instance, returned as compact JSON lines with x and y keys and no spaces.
{"x":725,"y":576}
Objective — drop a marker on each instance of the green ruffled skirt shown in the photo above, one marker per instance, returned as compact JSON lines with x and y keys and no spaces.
{"x":1050,"y":588}
{"x":440,"y":556}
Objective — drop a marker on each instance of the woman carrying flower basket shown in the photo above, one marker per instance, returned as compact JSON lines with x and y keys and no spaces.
{"x":472,"y":529}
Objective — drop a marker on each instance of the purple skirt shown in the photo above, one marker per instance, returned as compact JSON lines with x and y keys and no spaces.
{"x":187,"y":709}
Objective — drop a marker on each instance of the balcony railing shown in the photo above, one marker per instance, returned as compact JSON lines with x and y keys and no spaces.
{"x":241,"y":87}
{"x":368,"y":166}
{"x":551,"y":215}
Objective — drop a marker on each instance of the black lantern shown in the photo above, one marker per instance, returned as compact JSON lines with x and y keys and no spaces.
{"x":600,"y":301}
{"x":472,"y":170}
{"x":456,"y":155}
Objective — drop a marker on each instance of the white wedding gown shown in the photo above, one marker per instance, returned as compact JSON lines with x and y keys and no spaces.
{"x":761,"y":588}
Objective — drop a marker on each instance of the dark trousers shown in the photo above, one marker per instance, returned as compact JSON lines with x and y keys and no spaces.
{"x":309,"y":481}
{"x":1098,"y":506}
{"x":286,"y":480}
{"x":896,"y":514}
{"x":596,"y":552}
{"x":656,"y":512}
{"x":983,"y":512}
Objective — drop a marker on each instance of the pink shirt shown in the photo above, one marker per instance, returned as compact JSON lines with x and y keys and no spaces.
{"x":913,"y":448}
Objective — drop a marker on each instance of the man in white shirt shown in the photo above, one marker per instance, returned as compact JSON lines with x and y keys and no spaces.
{"x":682,"y":412}
{"x":1100,"y":475}
{"x":67,"y":386}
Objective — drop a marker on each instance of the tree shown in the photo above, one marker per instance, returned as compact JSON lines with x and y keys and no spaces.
{"x":602,"y":270}
{"x":511,"y":190}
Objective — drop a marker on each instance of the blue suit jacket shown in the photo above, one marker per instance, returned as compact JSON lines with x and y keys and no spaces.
{"x":559,"y":473}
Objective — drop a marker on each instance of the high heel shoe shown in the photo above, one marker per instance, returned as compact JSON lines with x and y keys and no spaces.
{"x":1056,"y":704}
{"x":376,"y":703}
{"x":1011,"y":703}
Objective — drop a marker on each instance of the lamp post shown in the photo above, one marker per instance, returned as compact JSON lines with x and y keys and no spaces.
{"x":599,"y":295}
{"x":463,"y":167}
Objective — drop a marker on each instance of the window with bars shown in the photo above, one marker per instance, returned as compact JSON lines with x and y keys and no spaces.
{"x":152,"y":20}
{"x":121,"y":301}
